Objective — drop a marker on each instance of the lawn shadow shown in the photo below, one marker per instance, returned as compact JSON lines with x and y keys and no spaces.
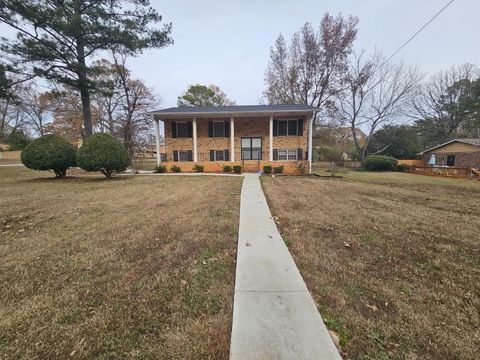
{"x":76,"y":179}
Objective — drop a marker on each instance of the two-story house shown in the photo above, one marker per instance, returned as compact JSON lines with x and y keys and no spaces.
{"x":250,"y":135}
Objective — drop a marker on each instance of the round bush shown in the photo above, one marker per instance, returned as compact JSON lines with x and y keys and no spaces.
{"x":380,"y":163}
{"x":104,"y":153}
{"x":49,"y":152}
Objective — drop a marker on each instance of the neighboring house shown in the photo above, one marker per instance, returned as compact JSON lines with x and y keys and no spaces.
{"x":250,"y":135}
{"x":460,"y":153}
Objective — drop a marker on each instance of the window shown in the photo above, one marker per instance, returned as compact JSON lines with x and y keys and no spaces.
{"x":292,"y":154}
{"x":181,"y":129}
{"x":287,"y":155}
{"x":292,"y":127}
{"x":288,"y":127}
{"x":219,"y":128}
{"x":283,"y":128}
{"x":282,"y":154}
{"x":219,"y":155}
{"x":450,"y":160}
{"x":182,"y":155}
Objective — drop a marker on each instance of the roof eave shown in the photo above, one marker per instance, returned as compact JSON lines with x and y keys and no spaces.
{"x":446,"y":143}
{"x":177,"y":115}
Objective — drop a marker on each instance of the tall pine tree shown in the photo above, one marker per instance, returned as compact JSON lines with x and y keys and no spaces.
{"x":56,"y":38}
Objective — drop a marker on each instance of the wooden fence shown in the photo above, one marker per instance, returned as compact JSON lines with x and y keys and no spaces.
{"x":452,"y":172}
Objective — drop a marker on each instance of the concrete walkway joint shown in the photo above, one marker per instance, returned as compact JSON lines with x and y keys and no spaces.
{"x":274,"y":316}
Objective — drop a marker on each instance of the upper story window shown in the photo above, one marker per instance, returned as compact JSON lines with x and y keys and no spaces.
{"x":181,"y":129}
{"x":288,"y":127}
{"x":219,"y":128}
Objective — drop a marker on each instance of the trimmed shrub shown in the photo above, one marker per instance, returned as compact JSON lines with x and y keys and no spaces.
{"x":227,"y":169}
{"x":160,"y":169}
{"x":278,"y":169}
{"x":267,"y":169}
{"x":104,"y":153}
{"x":380,"y":163}
{"x":49,"y":152}
{"x":402,"y":167}
{"x":302,"y":168}
{"x":198,"y":168}
{"x":237,"y":169}
{"x":175,"y":169}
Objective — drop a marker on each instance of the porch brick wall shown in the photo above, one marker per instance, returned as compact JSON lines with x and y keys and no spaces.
{"x":244,"y":127}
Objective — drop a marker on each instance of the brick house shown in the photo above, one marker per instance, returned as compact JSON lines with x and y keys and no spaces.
{"x":459,"y":153}
{"x":251,"y":136}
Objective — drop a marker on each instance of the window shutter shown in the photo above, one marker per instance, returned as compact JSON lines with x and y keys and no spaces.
{"x":275,"y":154}
{"x":210,"y":129}
{"x":190,"y":155}
{"x":299,"y":154}
{"x":226,"y":154}
{"x":300,"y":127}
{"x":189,"y":129}
{"x":212,"y":155}
{"x":227,"y":128}
{"x":275,"y":127}
{"x":175,"y":155}
{"x":174,"y":129}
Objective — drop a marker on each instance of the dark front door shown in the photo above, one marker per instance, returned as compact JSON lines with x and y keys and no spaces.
{"x":251,"y":148}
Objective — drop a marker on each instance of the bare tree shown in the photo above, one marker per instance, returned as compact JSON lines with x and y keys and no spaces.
{"x":440,"y":103}
{"x":376,"y":93}
{"x":37,"y":107}
{"x":310,"y":70}
{"x":136,"y":101}
{"x":12,"y":111}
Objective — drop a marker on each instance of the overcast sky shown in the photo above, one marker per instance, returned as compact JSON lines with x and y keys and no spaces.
{"x":226,"y":42}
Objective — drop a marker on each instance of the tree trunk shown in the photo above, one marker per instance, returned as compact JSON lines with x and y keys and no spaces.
{"x":87,"y":114}
{"x":82,"y":74}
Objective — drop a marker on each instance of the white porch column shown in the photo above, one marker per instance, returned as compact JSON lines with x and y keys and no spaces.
{"x":194,"y":131}
{"x":232,"y":140}
{"x":157,"y":138}
{"x":310,"y":137}
{"x":270,"y":140}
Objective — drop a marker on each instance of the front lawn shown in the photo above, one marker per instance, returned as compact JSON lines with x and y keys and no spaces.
{"x":10,"y":157}
{"x":131,"y":268}
{"x":391,"y":259}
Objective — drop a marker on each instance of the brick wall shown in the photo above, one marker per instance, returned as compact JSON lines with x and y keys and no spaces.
{"x":462,"y":159}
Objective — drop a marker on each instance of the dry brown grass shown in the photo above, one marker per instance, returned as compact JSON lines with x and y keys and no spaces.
{"x":391,"y":259}
{"x":135,"y":267}
{"x":10,"y":157}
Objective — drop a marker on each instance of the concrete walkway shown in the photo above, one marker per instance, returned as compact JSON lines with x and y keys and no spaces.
{"x":274,"y":316}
